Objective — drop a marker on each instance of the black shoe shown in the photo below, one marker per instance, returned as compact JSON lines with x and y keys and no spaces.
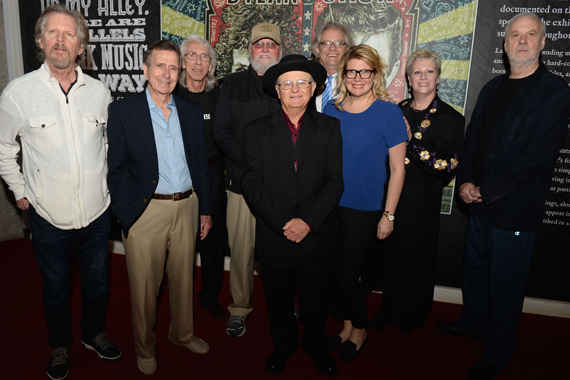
{"x":296,"y":312}
{"x":216,"y":311}
{"x":325,"y":364}
{"x":483,"y":370}
{"x":58,"y":366}
{"x":349,"y":351}
{"x":276,"y":363}
{"x":335,"y":343}
{"x":406,"y":330}
{"x":105,"y":349}
{"x":452,"y":328}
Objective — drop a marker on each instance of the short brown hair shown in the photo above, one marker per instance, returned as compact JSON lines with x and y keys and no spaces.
{"x":164,"y":45}
{"x":82,"y":30}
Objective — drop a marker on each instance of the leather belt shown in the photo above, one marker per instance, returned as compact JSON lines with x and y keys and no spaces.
{"x":175,"y":196}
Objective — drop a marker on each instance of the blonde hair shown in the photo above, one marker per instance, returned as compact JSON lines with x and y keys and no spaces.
{"x":423,"y":54}
{"x":371,"y":57}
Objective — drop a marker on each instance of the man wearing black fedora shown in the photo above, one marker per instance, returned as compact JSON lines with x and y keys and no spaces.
{"x":293,"y":180}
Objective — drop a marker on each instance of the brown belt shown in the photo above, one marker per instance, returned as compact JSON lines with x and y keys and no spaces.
{"x":175,"y":196}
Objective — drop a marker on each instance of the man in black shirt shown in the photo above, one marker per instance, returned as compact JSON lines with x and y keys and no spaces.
{"x":509,"y":155}
{"x":198,"y":83}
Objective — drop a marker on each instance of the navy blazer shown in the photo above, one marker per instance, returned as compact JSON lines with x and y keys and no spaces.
{"x":522,"y":152}
{"x":133,"y":161}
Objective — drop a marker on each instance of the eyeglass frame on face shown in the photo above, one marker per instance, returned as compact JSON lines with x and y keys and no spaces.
{"x":329,"y":44}
{"x":359,"y":72}
{"x":270,"y":45}
{"x":300,"y":84}
{"x":193,"y":56}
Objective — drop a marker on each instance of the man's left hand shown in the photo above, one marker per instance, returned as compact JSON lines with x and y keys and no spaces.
{"x":205,"y":225}
{"x":296,"y":230}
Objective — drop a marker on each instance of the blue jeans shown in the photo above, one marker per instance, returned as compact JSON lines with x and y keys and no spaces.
{"x":53,"y":248}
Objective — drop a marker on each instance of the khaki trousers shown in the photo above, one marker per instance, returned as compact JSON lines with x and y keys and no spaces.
{"x":165,"y":225}
{"x":241,"y":239}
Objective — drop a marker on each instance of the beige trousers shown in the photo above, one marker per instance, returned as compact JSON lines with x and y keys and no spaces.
{"x":165,"y":225}
{"x":241,"y":238}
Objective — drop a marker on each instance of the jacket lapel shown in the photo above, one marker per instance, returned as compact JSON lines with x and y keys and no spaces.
{"x":309,"y":128}
{"x":282,"y":138}
{"x":143,"y":122}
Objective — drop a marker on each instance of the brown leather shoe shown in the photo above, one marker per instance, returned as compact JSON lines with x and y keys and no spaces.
{"x":146,"y":366}
{"x":216,"y":311}
{"x":196,"y":345}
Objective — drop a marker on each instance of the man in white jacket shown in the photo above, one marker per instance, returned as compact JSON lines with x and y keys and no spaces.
{"x":60,"y":114}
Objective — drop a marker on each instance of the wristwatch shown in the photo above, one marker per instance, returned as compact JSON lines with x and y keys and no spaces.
{"x":389,"y":216}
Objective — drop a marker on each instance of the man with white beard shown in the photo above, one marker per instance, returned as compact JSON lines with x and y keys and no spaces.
{"x":241,"y":101}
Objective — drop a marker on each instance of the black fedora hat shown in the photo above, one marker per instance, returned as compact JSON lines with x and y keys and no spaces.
{"x":293,"y":62}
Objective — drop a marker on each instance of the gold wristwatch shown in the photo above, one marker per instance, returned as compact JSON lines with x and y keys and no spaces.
{"x":389,"y":216}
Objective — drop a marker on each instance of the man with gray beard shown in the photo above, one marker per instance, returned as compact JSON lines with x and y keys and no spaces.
{"x":241,"y":101}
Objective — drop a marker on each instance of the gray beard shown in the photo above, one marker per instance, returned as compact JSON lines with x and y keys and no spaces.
{"x":259,"y":67}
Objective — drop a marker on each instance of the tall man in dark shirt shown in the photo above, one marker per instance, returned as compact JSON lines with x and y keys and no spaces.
{"x":241,"y":101}
{"x":509,"y":154}
{"x":198,"y":83}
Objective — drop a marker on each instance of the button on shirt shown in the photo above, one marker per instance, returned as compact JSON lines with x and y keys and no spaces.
{"x":173,"y":172}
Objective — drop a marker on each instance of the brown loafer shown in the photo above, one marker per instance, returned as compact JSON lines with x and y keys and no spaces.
{"x":196,"y":345}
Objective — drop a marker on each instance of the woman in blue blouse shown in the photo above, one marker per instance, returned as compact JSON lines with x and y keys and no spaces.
{"x":373,"y":133}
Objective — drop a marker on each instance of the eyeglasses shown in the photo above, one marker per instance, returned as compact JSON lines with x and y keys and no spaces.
{"x":192,"y":56}
{"x":364,"y":74}
{"x":288,"y":84}
{"x":270,"y":45}
{"x":328,"y":44}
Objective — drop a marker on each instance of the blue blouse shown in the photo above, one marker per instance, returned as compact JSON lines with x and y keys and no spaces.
{"x":366,"y":138}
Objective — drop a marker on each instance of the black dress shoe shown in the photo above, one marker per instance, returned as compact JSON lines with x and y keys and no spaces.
{"x":216,"y":311}
{"x":335,"y":343}
{"x":406,"y":330}
{"x":325,"y":364}
{"x":452,"y":328}
{"x":276,"y":363}
{"x":483,"y":370}
{"x":349,"y":351}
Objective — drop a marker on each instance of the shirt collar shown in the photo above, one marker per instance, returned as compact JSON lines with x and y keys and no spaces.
{"x":171,"y":105}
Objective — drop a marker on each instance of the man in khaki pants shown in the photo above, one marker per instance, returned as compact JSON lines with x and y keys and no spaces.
{"x":241,"y":101}
{"x":159,"y":184}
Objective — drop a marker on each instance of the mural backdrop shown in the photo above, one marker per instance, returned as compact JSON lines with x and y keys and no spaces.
{"x":467,"y":34}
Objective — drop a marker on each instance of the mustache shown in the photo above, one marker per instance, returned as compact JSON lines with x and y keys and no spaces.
{"x":59,"y":46}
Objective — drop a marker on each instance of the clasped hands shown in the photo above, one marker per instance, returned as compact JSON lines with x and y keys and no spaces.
{"x":296,"y":230}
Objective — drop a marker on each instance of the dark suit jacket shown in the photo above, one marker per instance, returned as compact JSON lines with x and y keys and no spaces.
{"x":522,"y":151}
{"x":133,"y":160}
{"x":278,"y":193}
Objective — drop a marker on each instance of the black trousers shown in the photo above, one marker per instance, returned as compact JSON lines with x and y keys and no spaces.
{"x":312,"y":282}
{"x":213,"y":249}
{"x":357,"y":230}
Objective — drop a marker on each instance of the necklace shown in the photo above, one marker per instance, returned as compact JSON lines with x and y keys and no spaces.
{"x":425,"y":123}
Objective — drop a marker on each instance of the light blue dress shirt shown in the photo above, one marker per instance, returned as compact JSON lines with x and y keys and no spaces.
{"x":173,"y":172}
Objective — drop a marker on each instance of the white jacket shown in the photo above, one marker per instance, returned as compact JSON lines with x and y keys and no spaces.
{"x":64,"y":146}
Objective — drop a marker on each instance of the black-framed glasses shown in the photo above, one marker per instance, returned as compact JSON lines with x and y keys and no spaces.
{"x":192,"y":56}
{"x":288,"y":84}
{"x":364,"y":74}
{"x":270,"y":45}
{"x":328,"y":44}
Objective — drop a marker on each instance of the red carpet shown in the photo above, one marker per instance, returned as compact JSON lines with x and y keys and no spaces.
{"x":542,"y":352}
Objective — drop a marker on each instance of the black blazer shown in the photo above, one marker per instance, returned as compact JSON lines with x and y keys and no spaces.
{"x":133,"y":160}
{"x":522,"y":151}
{"x":278,"y":193}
